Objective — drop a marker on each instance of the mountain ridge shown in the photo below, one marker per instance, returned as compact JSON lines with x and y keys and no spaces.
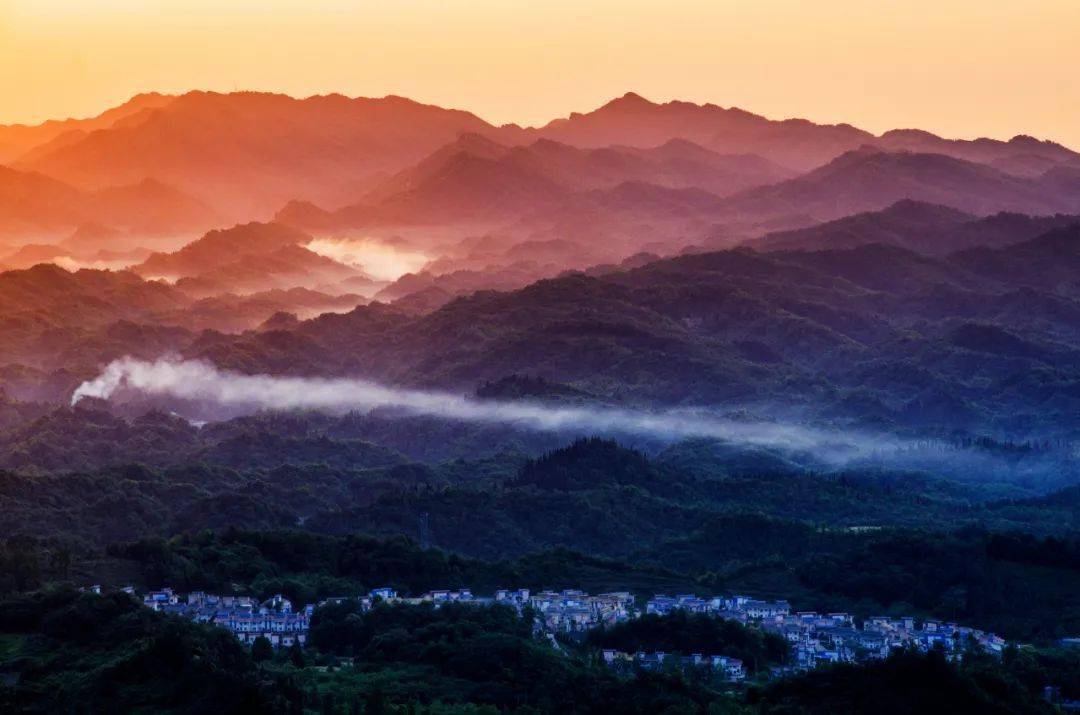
{"x":237,"y":159}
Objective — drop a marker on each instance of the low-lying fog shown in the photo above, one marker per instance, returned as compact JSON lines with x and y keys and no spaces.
{"x":379,"y":259}
{"x":204,"y":392}
{"x":199,"y":382}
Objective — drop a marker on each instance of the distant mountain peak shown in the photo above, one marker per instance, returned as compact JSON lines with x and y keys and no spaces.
{"x":914,"y":206}
{"x":681,"y":143}
{"x":909,"y":133}
{"x":1026,"y":140}
{"x":631,"y":101}
{"x":301,"y":213}
{"x":147,"y":97}
{"x":474,"y":142}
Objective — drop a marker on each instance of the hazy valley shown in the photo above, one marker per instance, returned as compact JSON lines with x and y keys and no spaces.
{"x":255,"y":345}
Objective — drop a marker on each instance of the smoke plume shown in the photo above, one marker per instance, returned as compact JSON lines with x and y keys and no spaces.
{"x":197,"y":381}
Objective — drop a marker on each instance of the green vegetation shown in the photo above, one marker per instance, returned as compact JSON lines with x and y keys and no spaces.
{"x":71,"y":652}
{"x":64,"y":651}
{"x":866,"y":543}
{"x":481,"y":655}
{"x":685,"y":633}
{"x":1013,"y":584}
{"x":1001,"y":582}
{"x":903,"y":683}
{"x":1010,"y":583}
{"x":309,"y":506}
{"x":307,"y":567}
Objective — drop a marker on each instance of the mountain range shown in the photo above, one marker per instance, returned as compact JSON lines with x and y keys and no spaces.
{"x":36,"y":206}
{"x":666,"y":253}
{"x":980,"y":339}
{"x":252,"y":344}
{"x":248,"y":154}
{"x":640,"y":199}
{"x":247,"y":258}
{"x":22,"y":140}
{"x":919,"y":226}
{"x":868,"y":179}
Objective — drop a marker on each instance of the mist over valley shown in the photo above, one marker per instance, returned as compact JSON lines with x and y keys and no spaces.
{"x":390,"y":363}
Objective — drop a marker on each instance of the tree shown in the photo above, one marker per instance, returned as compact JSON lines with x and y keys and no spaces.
{"x":296,"y":655}
{"x":375,"y":703}
{"x":261,"y":650}
{"x":60,"y":561}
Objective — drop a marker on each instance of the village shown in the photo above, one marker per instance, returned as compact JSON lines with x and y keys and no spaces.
{"x":245,"y":617}
{"x":815,"y":639}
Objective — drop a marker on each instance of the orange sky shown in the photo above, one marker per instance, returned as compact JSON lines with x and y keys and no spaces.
{"x":958,"y":67}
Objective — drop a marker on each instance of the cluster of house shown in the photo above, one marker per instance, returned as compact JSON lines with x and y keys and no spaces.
{"x":275,"y":619}
{"x":572,"y":611}
{"x":815,"y":638}
{"x":247,"y":618}
{"x":820,"y":638}
{"x":736,"y":607}
{"x":566,"y":611}
{"x":730,"y":669}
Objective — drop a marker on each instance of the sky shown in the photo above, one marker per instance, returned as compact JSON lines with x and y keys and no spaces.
{"x":960,"y":68}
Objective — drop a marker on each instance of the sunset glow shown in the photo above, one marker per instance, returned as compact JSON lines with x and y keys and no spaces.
{"x":933,"y":65}
{"x":404,"y":357}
